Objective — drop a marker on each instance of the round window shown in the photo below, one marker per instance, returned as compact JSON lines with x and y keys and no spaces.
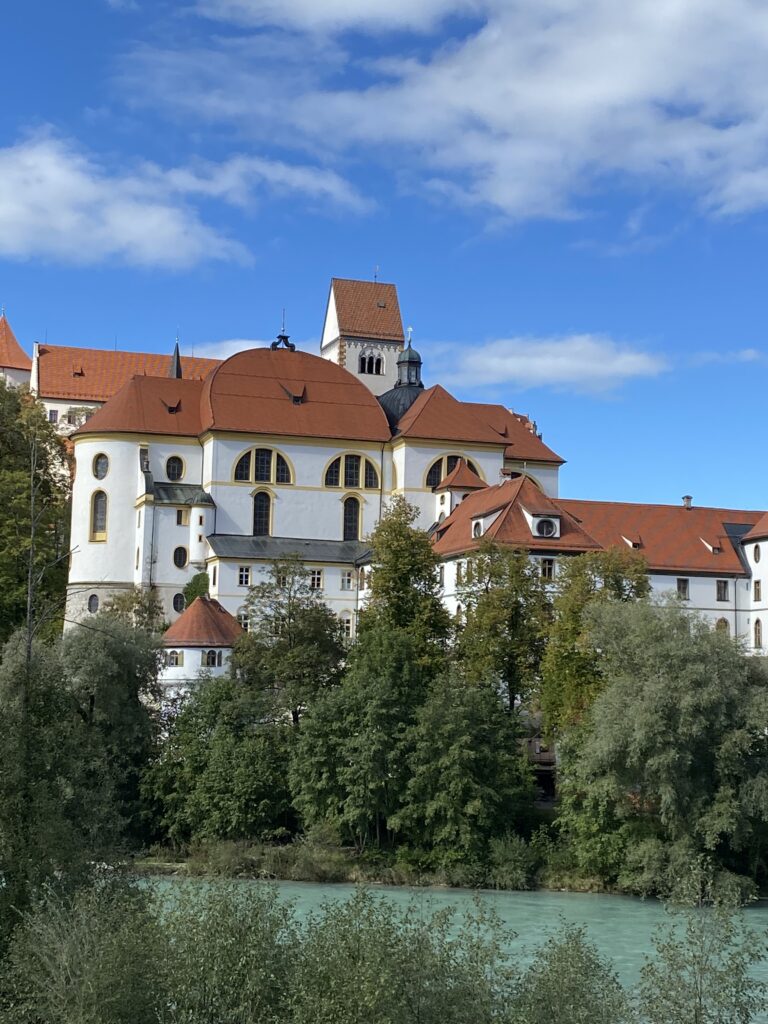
{"x":546,"y":528}
{"x":100,"y":466}
{"x":93,"y":604}
{"x":180,"y":557}
{"x":174,"y":468}
{"x":757,"y":552}
{"x":178,"y":601}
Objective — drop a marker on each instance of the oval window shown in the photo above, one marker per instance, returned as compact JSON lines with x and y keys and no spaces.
{"x":174,"y":468}
{"x":178,"y":602}
{"x":757,"y":552}
{"x":546,"y":528}
{"x":93,"y":604}
{"x":100,"y":466}
{"x":180,"y":557}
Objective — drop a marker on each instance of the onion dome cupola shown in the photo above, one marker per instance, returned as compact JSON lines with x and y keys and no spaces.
{"x":408,"y":386}
{"x":409,"y":367}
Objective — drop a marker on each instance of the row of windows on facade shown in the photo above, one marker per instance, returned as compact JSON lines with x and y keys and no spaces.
{"x":265,"y":465}
{"x":316,"y":578}
{"x":72,"y":417}
{"x":465,"y":571}
{"x":178,"y":602}
{"x":347,"y":619}
{"x":208,"y":659}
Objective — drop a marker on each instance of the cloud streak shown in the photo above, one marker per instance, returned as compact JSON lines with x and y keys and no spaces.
{"x":585,"y":363}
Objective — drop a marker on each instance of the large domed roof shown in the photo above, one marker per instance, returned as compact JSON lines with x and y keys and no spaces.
{"x":268,"y":391}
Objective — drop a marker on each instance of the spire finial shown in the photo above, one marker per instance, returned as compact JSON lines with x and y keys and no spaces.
{"x":410,"y":335}
{"x":174,"y":370}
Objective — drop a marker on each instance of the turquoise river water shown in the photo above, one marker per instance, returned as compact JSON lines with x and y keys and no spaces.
{"x":620,"y":926}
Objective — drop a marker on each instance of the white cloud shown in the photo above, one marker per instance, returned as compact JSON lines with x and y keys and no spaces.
{"x":59,"y":203}
{"x":742,"y":355}
{"x":578,"y":362}
{"x":544,"y":104}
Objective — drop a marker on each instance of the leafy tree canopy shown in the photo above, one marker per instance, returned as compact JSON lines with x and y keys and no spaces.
{"x":198,"y":586}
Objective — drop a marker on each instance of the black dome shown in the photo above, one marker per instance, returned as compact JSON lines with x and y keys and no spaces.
{"x":398,"y":401}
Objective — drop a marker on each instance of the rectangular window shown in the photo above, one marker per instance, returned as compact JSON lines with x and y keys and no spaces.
{"x":346,"y":579}
{"x":263,"y":464}
{"x":214,"y":574}
{"x":683,"y":589}
{"x":352,"y":471}
{"x":53,"y":415}
{"x":441,"y":575}
{"x":361,"y":580}
{"x":347,"y":624}
{"x":459,"y":574}
{"x":282,"y":580}
{"x":722,"y":590}
{"x":547,"y":568}
{"x":758,"y":590}
{"x":316,"y":579}
{"x":182,"y":517}
{"x":243,"y":467}
{"x":138,"y":520}
{"x":200,"y":520}
{"x":244,"y":576}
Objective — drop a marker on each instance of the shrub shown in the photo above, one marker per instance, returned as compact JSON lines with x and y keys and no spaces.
{"x":512,"y":863}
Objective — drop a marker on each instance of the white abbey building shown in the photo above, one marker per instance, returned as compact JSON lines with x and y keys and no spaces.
{"x":276,"y":451}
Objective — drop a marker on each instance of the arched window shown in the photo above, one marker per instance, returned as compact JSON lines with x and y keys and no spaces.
{"x":378,"y":366}
{"x":178,"y":602}
{"x":176,"y":659}
{"x":758,"y":633}
{"x":362,"y":364}
{"x":93,"y":604}
{"x":174,"y":468}
{"x":351,"y":519}
{"x":722,"y":626}
{"x":354,"y":466}
{"x":371,"y":364}
{"x":209,"y":659}
{"x":99,"y":516}
{"x":333,"y":474}
{"x":262,"y":507}
{"x":180,"y":557}
{"x":264,"y":466}
{"x":443,"y":466}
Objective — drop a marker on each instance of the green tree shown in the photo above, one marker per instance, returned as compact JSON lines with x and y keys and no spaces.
{"x":571,"y":675}
{"x":404,"y":585}
{"x":222,"y":772}
{"x":673,"y":759}
{"x":468,"y":780}
{"x":570,"y":981}
{"x":198,"y":586}
{"x":34,"y":496}
{"x":139,"y":607}
{"x":111,"y":671}
{"x":507,"y":617}
{"x":294,"y":646}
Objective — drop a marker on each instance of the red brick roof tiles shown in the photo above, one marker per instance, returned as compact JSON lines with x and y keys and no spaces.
{"x":518,"y":431}
{"x":205,"y":623}
{"x":12,"y":355}
{"x":262,"y":391}
{"x":150,"y":405}
{"x":437,"y":415}
{"x":367,"y":309}
{"x":94,"y":375}
{"x":759,"y":530}
{"x":461,"y":477}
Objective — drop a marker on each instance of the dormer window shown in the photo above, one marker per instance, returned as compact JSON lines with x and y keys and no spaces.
{"x":477,"y":530}
{"x":546,"y":528}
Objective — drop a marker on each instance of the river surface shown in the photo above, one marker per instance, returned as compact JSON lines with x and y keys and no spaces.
{"x":621,"y":927}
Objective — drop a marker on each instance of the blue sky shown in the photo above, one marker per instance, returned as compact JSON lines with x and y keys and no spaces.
{"x":570,"y":195}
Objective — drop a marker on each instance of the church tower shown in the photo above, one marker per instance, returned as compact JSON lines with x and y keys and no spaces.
{"x":363,"y":331}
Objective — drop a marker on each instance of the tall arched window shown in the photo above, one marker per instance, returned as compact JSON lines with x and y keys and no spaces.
{"x":351,"y":519}
{"x":362,"y":364}
{"x":262,"y":507}
{"x":722,"y":626}
{"x":263,"y":466}
{"x":371,"y":364}
{"x":99,"y":516}
{"x":758,"y":633}
{"x":378,"y":366}
{"x":209,"y":659}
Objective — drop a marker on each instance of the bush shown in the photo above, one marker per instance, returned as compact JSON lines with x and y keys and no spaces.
{"x":512,"y":863}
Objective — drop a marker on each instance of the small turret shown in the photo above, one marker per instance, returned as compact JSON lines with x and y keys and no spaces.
{"x":409,"y":367}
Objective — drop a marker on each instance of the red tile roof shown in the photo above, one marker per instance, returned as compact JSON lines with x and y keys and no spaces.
{"x":437,"y":415}
{"x":671,"y":538}
{"x":94,"y":375}
{"x":518,"y":431}
{"x":760,"y":530}
{"x":150,"y":405}
{"x":205,"y":623}
{"x":262,"y":391}
{"x":461,"y":477}
{"x":12,"y":355}
{"x":367,"y":309}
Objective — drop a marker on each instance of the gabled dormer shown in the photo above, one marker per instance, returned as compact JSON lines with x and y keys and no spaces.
{"x":544,"y":523}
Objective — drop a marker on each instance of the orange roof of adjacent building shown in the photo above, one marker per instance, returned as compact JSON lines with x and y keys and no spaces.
{"x":523,"y":443}
{"x":462,"y":478}
{"x":150,"y":405}
{"x":94,"y":375}
{"x":759,"y":530}
{"x":12,"y":355}
{"x":367,"y":309}
{"x":266,"y":391}
{"x":205,"y":623}
{"x":671,"y":538}
{"x":437,"y":415}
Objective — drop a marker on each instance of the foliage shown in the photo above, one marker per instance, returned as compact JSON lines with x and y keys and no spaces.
{"x":111,"y":671}
{"x":350,"y":763}
{"x":198,"y":586}
{"x":404,"y":587}
{"x":467,"y":777}
{"x":139,"y":607}
{"x":512,"y":862}
{"x":94,"y":957}
{"x":674,"y":756}
{"x":506,"y":621}
{"x":33,"y":472}
{"x":571,"y":674}
{"x":222,"y":772}
{"x":570,"y":981}
{"x":702,"y":968}
{"x":294,"y":646}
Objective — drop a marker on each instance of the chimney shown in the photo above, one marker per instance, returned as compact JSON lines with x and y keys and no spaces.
{"x":687,"y":501}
